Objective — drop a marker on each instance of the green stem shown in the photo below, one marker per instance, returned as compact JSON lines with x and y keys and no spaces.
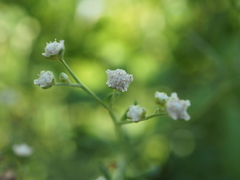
{"x":148,"y":117}
{"x":112,"y":98}
{"x":109,"y":108}
{"x":121,"y":171}
{"x":69,"y":85}
{"x":117,"y":127}
{"x":81,"y":85}
{"x":123,"y":145}
{"x":70,"y":71}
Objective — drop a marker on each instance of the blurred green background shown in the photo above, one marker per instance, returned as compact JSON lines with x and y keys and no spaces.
{"x":186,"y":46}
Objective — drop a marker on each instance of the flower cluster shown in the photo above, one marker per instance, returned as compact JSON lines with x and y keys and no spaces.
{"x":117,"y":79}
{"x":176,"y":108}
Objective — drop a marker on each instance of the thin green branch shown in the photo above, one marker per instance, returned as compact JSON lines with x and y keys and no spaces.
{"x":69,"y":85}
{"x":70,"y":71}
{"x":82,"y":86}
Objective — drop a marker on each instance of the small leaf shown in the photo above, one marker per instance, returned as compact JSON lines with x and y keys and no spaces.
{"x":108,"y":98}
{"x":124,"y":117}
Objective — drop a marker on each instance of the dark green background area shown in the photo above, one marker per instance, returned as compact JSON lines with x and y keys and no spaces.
{"x":186,"y":46}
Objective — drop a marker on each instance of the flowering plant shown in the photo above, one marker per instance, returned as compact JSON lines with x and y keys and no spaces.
{"x":118,"y":80}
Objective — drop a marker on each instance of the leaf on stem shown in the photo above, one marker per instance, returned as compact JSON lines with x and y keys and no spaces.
{"x":124,"y":116}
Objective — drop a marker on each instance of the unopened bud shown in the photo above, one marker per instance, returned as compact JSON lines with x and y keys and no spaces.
{"x":46,"y":79}
{"x":64,"y":78}
{"x":136,"y":113}
{"x":160,"y":98}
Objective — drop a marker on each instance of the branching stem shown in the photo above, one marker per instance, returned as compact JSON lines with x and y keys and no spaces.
{"x":82,"y":86}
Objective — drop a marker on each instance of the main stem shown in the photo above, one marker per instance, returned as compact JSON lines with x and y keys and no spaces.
{"x":109,"y":109}
{"x":122,"y":140}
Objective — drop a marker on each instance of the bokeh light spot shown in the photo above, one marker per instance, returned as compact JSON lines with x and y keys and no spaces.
{"x":183,"y":143}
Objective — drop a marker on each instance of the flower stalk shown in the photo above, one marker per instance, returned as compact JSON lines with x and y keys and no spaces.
{"x":117,"y":80}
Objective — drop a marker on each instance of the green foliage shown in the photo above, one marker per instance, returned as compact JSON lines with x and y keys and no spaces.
{"x":186,"y":46}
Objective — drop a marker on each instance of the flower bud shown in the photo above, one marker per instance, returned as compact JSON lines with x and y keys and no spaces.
{"x":160,"y":98}
{"x":54,"y":50}
{"x":119,"y":79}
{"x":64,"y":78}
{"x":176,"y":108}
{"x":22,"y":150}
{"x":46,"y":79}
{"x":136,"y":113}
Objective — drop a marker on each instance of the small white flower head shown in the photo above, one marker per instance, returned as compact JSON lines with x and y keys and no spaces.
{"x":22,"y":150}
{"x":176,"y":108}
{"x":64,"y":78}
{"x":46,"y":79}
{"x":160,"y":98}
{"x":54,"y":50}
{"x":119,"y":79}
{"x":136,"y":113}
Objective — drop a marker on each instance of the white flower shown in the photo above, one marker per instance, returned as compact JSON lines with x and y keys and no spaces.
{"x":136,"y":113}
{"x":22,"y":150}
{"x":161,"y":98}
{"x":119,"y":79}
{"x":176,"y":108}
{"x":45,"y":80}
{"x":54,"y":50}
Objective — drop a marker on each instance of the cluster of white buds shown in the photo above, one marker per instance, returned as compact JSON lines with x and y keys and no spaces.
{"x":176,"y":108}
{"x":136,"y":113}
{"x":119,"y":79}
{"x":22,"y":150}
{"x":46,"y":79}
{"x":54,"y":50}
